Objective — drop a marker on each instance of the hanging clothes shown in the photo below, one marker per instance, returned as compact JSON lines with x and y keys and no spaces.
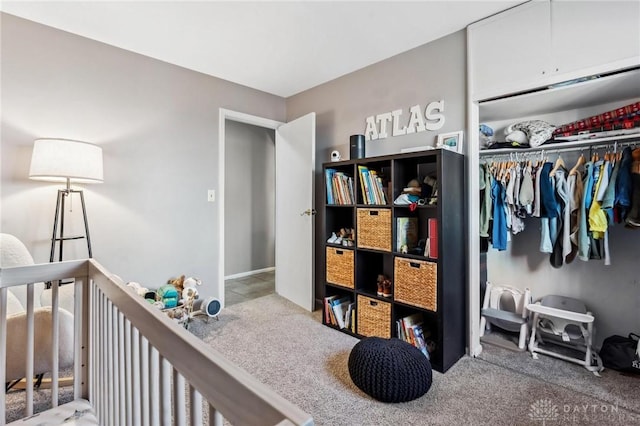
{"x":499,"y":234}
{"x":486,"y":182}
{"x":536,"y":184}
{"x":526,"y":190}
{"x":608,"y":200}
{"x":623,"y":186}
{"x":575,"y":208}
{"x":584,"y":242}
{"x":576,"y":192}
{"x":548,"y":210}
{"x":562,"y":244}
{"x":597,"y":218}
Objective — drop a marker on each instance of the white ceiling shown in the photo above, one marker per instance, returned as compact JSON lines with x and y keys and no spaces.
{"x":277,"y":47}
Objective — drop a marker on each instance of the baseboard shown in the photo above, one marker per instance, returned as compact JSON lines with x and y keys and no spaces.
{"x":249,"y":273}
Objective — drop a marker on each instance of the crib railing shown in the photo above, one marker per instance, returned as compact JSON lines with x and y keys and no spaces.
{"x":134,"y":364}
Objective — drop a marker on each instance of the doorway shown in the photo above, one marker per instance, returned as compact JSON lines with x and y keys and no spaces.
{"x":294,"y":197}
{"x":241,"y":282}
{"x":249,"y":267}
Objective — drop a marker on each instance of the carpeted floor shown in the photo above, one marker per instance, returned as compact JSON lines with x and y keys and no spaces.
{"x":290,"y":350}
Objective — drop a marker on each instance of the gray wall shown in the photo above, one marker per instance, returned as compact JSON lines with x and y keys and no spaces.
{"x":249,"y":217}
{"x":158,"y":126}
{"x":431,"y":72}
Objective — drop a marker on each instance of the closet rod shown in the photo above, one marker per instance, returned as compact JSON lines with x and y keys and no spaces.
{"x":515,"y":155}
{"x":624,"y":140}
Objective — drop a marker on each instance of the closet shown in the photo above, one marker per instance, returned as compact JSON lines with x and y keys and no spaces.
{"x":594,"y":87}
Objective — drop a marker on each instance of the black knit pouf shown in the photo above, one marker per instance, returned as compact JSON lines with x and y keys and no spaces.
{"x":389,"y":370}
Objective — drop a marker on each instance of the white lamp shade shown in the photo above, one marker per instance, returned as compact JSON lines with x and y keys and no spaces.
{"x":56,"y":160}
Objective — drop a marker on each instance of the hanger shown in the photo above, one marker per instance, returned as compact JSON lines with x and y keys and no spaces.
{"x":608,"y":156}
{"x":580,"y":162}
{"x":559,"y":163}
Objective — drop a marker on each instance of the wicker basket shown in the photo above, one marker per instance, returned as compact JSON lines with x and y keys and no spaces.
{"x":416,"y":283}
{"x":374,"y":317}
{"x":340,"y":267}
{"x":374,"y":229}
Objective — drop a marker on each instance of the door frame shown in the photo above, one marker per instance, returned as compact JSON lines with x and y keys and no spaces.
{"x":241,"y":117}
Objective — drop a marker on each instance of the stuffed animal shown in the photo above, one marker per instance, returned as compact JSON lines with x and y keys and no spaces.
{"x":178,"y":283}
{"x":141,"y":291}
{"x":189,"y":290}
{"x":410,"y":194}
{"x":168,"y":295}
{"x":191,"y":282}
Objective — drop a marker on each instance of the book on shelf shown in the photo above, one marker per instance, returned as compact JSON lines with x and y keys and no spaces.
{"x":432,"y":240}
{"x":406,"y":233}
{"x":408,"y":322}
{"x":328,"y":177}
{"x":367,"y":194}
{"x":372,"y":186}
{"x":328,"y":311}
{"x":349,"y":318}
{"x":411,"y":330}
{"x":378,"y":190}
{"x":420,"y":340}
{"x":339,"y":187}
{"x":400,"y":331}
{"x":339,"y":307}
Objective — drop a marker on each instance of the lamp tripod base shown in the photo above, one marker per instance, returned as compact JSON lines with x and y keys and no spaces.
{"x":58,"y":222}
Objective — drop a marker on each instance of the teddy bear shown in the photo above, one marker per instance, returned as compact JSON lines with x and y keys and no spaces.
{"x":178,"y":283}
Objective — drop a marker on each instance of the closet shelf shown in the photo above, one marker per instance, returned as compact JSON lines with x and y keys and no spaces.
{"x":566,"y":146}
{"x":619,"y":86}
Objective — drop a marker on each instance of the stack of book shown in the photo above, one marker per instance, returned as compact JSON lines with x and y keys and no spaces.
{"x":410,"y":329}
{"x":372,"y":186}
{"x":340,"y":312}
{"x":339,"y":187}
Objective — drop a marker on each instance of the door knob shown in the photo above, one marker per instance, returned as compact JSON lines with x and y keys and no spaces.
{"x":308,"y":212}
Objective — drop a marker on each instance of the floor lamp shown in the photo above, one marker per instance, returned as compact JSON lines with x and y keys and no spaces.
{"x":62,"y":160}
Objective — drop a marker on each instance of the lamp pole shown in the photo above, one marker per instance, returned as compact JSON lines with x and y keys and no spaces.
{"x":59,"y":217}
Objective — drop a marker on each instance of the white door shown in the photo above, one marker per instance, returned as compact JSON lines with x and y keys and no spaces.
{"x":295,"y":168}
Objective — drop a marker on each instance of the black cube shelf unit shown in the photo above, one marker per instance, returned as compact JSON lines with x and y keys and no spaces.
{"x":430,"y":283}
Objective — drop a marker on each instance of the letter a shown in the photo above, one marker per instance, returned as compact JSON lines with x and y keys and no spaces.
{"x":371,"y":133}
{"x":416,"y":122}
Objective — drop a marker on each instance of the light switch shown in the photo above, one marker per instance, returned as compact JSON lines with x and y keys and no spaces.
{"x":211,"y":195}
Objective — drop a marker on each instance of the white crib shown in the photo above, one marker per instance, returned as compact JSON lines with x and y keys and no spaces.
{"x":132,"y":364}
